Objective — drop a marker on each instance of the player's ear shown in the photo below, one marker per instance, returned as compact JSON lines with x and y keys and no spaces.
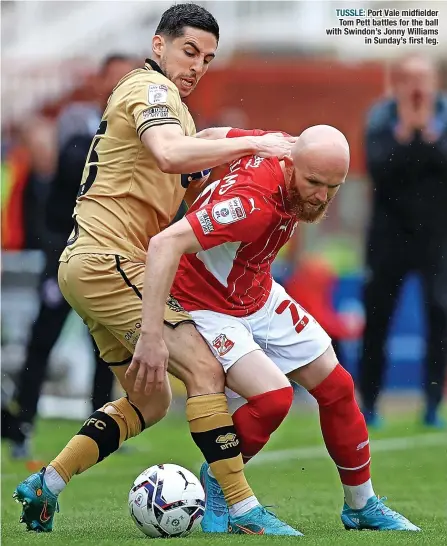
{"x":288,"y":161}
{"x":158,"y":43}
{"x":288,"y":167}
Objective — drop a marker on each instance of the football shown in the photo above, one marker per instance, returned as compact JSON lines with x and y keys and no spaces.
{"x":166,"y":500}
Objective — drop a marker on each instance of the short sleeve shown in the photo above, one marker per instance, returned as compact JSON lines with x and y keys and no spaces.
{"x":241,"y":216}
{"x":152,"y":102}
{"x":190,"y":125}
{"x":191,"y":130}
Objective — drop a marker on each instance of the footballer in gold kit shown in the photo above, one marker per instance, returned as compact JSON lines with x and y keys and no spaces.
{"x":124,"y":199}
{"x":130,"y":190}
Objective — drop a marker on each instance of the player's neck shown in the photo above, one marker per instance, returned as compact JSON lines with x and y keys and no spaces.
{"x":154,"y":66}
{"x":287,"y":171}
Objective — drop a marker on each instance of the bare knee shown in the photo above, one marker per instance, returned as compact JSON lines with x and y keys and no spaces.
{"x":311,"y":375}
{"x":154,"y":407}
{"x":203,"y":375}
{"x":191,"y":361}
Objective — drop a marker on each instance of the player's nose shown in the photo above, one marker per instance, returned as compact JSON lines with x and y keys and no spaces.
{"x":321,"y":194}
{"x":197,"y":67}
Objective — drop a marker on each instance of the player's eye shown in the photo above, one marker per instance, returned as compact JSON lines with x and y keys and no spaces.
{"x":189,"y":53}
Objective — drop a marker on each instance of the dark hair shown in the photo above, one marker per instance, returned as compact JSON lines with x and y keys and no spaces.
{"x":177,"y":17}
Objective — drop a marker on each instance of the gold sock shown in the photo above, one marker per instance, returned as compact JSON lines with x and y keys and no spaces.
{"x":213,"y":431}
{"x":102,"y":434}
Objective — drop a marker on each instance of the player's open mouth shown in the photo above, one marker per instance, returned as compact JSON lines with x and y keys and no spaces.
{"x":187,"y":83}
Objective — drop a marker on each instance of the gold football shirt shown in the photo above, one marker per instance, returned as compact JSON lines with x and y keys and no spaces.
{"x":124,"y":199}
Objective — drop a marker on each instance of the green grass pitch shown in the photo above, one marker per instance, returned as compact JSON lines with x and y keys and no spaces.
{"x":409,"y":467}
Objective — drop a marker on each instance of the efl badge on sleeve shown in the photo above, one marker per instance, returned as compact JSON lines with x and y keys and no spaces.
{"x":158,"y":94}
{"x":229,"y":211}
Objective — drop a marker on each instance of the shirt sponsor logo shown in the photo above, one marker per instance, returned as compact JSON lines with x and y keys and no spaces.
{"x":156,"y":112}
{"x":229,"y":211}
{"x":158,"y":94}
{"x":205,"y":221}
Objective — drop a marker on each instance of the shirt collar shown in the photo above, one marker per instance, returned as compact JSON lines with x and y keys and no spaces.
{"x":149,"y":64}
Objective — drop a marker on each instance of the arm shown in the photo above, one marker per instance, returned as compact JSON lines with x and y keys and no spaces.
{"x":196,"y":187}
{"x":388,"y":158}
{"x":434,"y":147}
{"x":163,"y":256}
{"x":176,"y":153}
{"x":385,"y":155}
{"x":150,"y":358}
{"x":201,"y":229}
{"x":213,"y":133}
{"x":154,"y":107}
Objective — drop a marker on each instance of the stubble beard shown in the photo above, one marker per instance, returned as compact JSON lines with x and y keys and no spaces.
{"x":303,"y":210}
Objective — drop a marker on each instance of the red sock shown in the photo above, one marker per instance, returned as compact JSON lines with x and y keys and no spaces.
{"x":259,"y":417}
{"x":343,"y":427}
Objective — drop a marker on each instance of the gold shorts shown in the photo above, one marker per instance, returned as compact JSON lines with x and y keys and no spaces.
{"x":105,"y":290}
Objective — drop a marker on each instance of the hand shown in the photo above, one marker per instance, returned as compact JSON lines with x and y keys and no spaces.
{"x":273,"y":145}
{"x":430,"y":135}
{"x":150,"y":359}
{"x":415,"y":112}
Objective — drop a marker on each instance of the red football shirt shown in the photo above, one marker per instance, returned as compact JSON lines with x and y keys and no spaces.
{"x":241,"y":222}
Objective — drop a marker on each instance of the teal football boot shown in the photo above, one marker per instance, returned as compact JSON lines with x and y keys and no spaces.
{"x":259,"y":521}
{"x":216,"y":515}
{"x":375,"y":516}
{"x":39,"y":504}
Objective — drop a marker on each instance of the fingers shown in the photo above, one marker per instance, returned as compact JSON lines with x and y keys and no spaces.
{"x":134,"y":365}
{"x":285,"y":152}
{"x":155,"y":379}
{"x":159,"y":378}
{"x":150,"y":378}
{"x":140,"y":378}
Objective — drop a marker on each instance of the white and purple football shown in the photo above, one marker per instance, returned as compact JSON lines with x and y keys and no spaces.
{"x":166,"y":500}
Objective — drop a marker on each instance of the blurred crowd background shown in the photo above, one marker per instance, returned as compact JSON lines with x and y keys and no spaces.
{"x":276,"y":69}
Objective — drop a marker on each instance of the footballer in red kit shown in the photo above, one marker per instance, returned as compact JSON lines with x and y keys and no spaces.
{"x":224,"y":249}
{"x":241,"y":222}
